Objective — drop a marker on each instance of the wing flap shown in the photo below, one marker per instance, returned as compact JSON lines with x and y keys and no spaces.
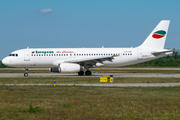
{"x":92,"y":61}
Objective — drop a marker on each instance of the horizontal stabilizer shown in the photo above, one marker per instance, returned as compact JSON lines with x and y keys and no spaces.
{"x":162,"y":52}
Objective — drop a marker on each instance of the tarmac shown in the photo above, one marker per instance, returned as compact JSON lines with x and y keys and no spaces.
{"x":169,"y":75}
{"x":134,"y":68}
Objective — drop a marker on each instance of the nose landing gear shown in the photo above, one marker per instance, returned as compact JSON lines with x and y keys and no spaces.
{"x":26,"y":72}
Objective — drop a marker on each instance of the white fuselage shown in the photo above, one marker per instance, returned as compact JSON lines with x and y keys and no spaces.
{"x":78,"y":59}
{"x":48,"y":57}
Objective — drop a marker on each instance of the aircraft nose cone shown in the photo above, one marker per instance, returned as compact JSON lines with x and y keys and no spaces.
{"x":4,"y":61}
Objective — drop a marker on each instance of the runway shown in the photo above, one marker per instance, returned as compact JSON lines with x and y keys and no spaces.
{"x":169,"y":75}
{"x":106,"y":84}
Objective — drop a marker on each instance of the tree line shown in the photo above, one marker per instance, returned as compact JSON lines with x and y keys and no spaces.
{"x":2,"y":65}
{"x":172,"y":60}
{"x":168,"y":61}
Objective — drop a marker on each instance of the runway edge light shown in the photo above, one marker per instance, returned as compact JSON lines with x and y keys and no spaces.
{"x":54,"y":83}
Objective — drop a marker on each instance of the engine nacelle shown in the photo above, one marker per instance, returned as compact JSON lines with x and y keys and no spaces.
{"x":67,"y":67}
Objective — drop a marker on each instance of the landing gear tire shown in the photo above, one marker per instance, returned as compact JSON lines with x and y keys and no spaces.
{"x":25,"y":74}
{"x":88,"y":72}
{"x":81,"y":73}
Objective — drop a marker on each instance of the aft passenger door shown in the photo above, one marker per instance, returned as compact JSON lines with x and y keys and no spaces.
{"x":26,"y":55}
{"x":139,"y":54}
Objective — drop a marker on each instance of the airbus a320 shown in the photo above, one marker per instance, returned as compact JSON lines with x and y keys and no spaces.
{"x":81,"y":59}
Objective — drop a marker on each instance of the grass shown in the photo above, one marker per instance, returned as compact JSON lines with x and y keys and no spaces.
{"x":78,"y":102}
{"x":77,"y":80}
{"x":62,"y":102}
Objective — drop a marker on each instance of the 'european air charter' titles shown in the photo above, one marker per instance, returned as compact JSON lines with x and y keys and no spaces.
{"x":45,"y":52}
{"x":65,"y":51}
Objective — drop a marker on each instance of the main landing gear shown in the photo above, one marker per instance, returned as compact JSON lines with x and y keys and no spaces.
{"x":88,"y":72}
{"x":26,"y":72}
{"x":81,"y":73}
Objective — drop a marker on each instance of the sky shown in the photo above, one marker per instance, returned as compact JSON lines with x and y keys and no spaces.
{"x":84,"y":23}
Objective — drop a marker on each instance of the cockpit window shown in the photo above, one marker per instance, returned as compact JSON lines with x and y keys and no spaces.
{"x":16,"y":55}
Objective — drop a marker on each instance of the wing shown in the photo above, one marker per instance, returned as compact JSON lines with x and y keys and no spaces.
{"x":91,"y":62}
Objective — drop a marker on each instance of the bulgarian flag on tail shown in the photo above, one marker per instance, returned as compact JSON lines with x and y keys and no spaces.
{"x":159,"y":34}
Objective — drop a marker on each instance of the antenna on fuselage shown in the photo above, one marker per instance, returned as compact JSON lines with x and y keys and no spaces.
{"x":102,"y":46}
{"x":28,"y":47}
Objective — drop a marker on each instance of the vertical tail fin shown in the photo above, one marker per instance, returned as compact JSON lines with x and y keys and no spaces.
{"x":157,"y":37}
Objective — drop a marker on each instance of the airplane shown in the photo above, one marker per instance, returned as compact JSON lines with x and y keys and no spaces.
{"x":80,"y":59}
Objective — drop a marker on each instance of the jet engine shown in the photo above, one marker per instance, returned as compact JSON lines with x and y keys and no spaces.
{"x":67,"y":67}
